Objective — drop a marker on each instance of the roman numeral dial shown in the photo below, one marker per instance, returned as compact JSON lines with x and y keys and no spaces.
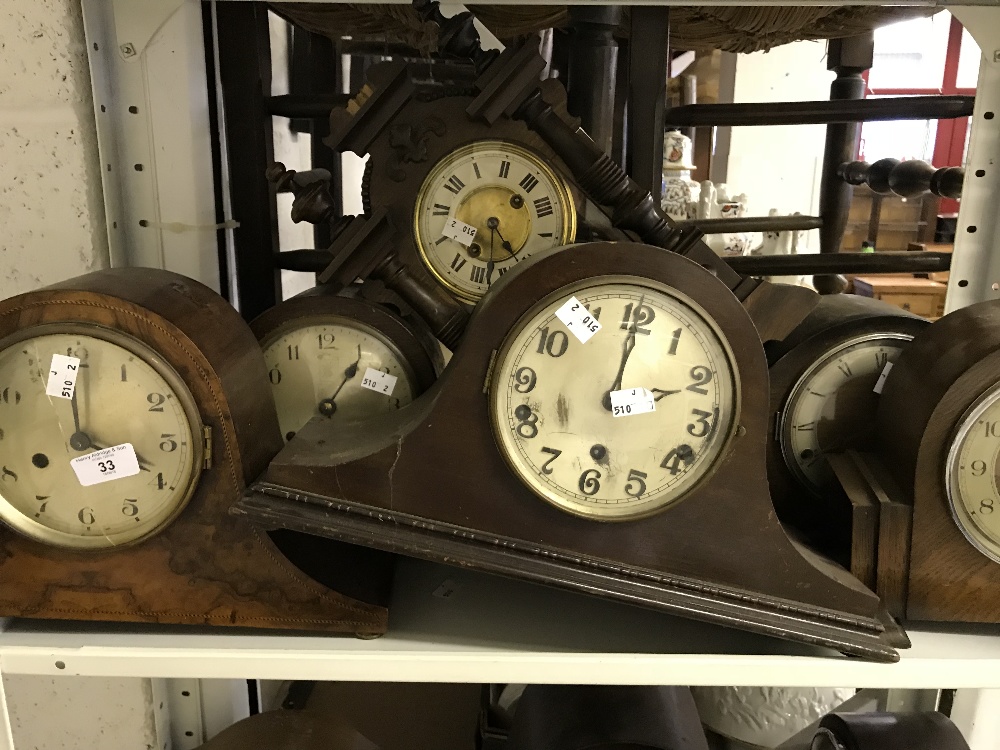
{"x":485,"y":208}
{"x":832,"y":406}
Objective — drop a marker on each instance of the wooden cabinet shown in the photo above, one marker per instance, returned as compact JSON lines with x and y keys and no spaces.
{"x":919,"y":296}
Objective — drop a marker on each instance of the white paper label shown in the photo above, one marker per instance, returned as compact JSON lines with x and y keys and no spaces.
{"x":116,"y":462}
{"x":881,"y":378}
{"x":578,"y":320}
{"x":446,"y":590}
{"x":459,"y":231}
{"x":62,"y":376}
{"x":378,"y":381}
{"x":631,"y":402}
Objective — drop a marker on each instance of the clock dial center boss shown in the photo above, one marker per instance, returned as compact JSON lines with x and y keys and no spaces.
{"x":484,"y":208}
{"x":625,"y":421}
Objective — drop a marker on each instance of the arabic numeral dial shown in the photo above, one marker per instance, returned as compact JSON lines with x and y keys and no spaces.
{"x":69,"y":462}
{"x":972,"y":469}
{"x":551,"y":410}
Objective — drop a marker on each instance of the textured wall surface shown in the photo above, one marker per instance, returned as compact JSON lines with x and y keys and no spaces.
{"x":51,"y":209}
{"x":80,"y":713}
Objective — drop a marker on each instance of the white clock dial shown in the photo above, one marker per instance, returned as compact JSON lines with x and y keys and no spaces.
{"x":316,"y":368}
{"x":552,"y":415}
{"x":124,"y":393}
{"x":832,"y":406}
{"x":972,"y":471}
{"x":512,"y":202}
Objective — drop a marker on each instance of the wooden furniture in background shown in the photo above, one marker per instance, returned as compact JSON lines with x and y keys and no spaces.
{"x":921,"y":297}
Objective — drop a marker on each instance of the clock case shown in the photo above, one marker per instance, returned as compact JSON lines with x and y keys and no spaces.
{"x":207,"y":567}
{"x":825,"y":521}
{"x":429,"y":481}
{"x":938,"y":574}
{"x":327,"y":560}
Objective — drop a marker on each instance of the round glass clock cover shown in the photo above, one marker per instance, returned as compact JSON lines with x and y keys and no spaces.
{"x":832,"y":406}
{"x":551,"y":404}
{"x":124,"y":393}
{"x":486,"y":207}
{"x":317,"y":367}
{"x":971,"y":474}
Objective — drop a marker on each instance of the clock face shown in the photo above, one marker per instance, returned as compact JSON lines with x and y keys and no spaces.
{"x":317,"y":367}
{"x":552,"y":412}
{"x":832,"y":406}
{"x":972,"y":474}
{"x":124,"y":393}
{"x":501,"y":202}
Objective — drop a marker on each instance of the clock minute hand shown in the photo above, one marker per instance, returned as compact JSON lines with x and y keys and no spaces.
{"x":327,"y":407}
{"x":627,"y":348}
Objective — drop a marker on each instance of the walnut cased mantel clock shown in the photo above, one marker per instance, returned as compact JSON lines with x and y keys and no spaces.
{"x":515,"y":461}
{"x":134,"y":407}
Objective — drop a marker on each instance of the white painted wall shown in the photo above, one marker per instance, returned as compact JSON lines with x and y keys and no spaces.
{"x":779,"y":166}
{"x":52,"y":228}
{"x":51,"y":209}
{"x":81,"y":713}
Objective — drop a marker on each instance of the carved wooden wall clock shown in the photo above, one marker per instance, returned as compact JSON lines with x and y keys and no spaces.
{"x":416,"y":149}
{"x":134,"y":407}
{"x":470,"y":199}
{"x":515,"y":462}
{"x":825,"y":384}
{"x":939,"y":438}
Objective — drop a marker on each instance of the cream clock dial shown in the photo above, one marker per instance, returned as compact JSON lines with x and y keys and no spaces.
{"x":551,"y":409}
{"x":512,"y":203}
{"x":972,"y":474}
{"x":832,"y":406}
{"x":317,"y":367}
{"x":124,"y":393}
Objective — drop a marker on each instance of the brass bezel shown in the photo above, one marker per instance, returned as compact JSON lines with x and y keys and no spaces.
{"x":601,"y":513}
{"x":25,"y":526}
{"x":560,"y":184}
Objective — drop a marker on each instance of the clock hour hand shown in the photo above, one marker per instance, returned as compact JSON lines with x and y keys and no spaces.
{"x":327,"y":407}
{"x":660,"y":393}
{"x":489,"y":263}
{"x":143,"y":463}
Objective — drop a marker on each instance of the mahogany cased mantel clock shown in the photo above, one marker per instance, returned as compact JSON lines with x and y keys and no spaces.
{"x":134,"y":408}
{"x":514,"y":461}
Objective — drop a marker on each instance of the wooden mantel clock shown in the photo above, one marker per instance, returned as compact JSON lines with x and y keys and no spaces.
{"x":939,"y":440}
{"x":528,"y":458}
{"x":134,"y":407}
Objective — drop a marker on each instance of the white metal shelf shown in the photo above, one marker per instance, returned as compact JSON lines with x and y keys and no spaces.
{"x":492,"y":629}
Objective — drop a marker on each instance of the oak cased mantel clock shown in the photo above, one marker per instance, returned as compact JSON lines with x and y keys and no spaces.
{"x":825,"y":380}
{"x":515,"y":461}
{"x":134,"y":408}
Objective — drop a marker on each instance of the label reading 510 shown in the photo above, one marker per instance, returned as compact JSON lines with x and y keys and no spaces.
{"x":378,"y":381}
{"x":578,"y":319}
